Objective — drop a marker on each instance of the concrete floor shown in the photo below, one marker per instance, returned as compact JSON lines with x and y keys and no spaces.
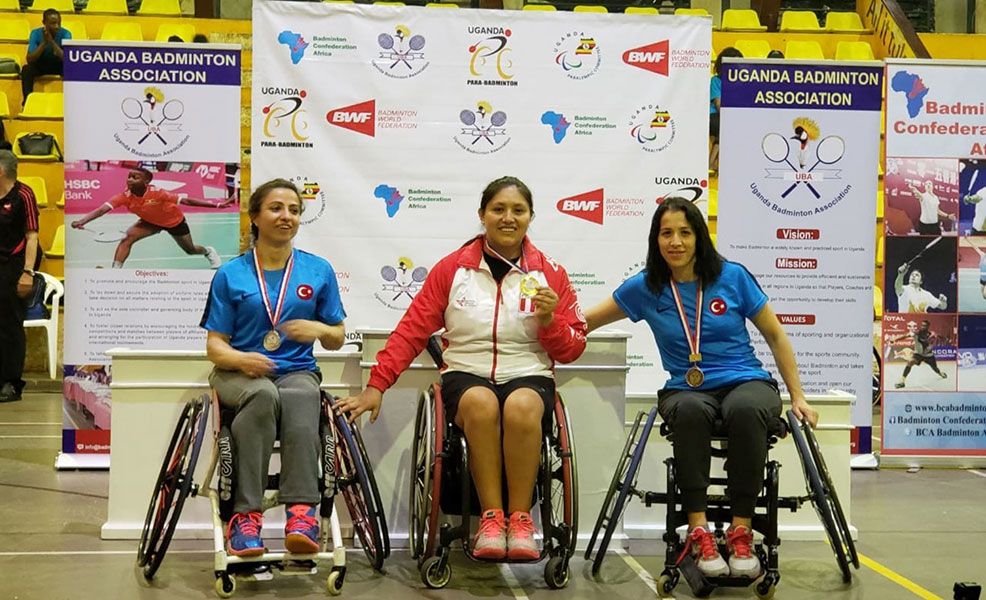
{"x":919,"y":533}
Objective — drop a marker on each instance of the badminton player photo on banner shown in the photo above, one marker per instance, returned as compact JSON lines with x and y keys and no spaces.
{"x":920,"y":274}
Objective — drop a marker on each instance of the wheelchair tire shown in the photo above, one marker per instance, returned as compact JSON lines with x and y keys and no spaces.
{"x":174,"y":483}
{"x":375,"y":490}
{"x":823,"y":496}
{"x":354,"y":484}
{"x":426,"y":475}
{"x":612,"y":509}
{"x":561,"y":484}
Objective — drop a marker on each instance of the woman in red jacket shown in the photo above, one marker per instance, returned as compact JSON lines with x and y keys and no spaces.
{"x":509,"y":313}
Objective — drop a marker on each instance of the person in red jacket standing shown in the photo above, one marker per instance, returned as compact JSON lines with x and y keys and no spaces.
{"x":509,"y":314}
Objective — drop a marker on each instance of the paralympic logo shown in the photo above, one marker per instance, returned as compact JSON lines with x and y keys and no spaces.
{"x":652,"y":128}
{"x":578,"y":55}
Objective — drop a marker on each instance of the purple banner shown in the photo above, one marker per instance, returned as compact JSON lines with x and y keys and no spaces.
{"x":776,"y":84}
{"x":152,"y":64}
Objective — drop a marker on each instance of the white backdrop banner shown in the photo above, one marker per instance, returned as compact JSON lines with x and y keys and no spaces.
{"x":934,"y":326}
{"x":797,"y":186}
{"x":393,"y":119}
{"x":137,"y":270}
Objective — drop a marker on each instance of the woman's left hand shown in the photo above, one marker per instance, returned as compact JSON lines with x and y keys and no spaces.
{"x":302,"y":331}
{"x":804,"y":411}
{"x":545,"y":302}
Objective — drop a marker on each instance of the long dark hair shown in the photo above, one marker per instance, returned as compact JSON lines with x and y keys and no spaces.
{"x":708,"y":262}
{"x":258,"y":195}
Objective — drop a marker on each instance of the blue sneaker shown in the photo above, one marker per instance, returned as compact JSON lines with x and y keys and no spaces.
{"x":301,"y":529}
{"x":243,"y":534}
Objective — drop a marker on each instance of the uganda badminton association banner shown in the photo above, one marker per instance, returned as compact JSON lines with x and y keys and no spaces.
{"x":934,"y":326}
{"x":151,"y":171}
{"x":799,"y":151}
{"x":393,"y":119}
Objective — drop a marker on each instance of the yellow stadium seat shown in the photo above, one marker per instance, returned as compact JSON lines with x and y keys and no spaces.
{"x":641,"y":10}
{"x":122,"y":31}
{"x":713,"y":202}
{"x":879,"y":250}
{"x":76,"y":28}
{"x":61,"y":201}
{"x":44,"y":105}
{"x":845,"y":22}
{"x":741,"y":19}
{"x":62,"y":6}
{"x":546,"y":7}
{"x":108,"y":7}
{"x":695,"y":12}
{"x":854,"y":51}
{"x":590,"y":8}
{"x":37,"y":185}
{"x":441,"y":5}
{"x":753,"y":48}
{"x":10,"y":5}
{"x":879,"y":204}
{"x":55,"y":155}
{"x":168,"y":8}
{"x":799,"y":20}
{"x":877,"y":302}
{"x":808,"y":50}
{"x":14,"y":29}
{"x":4,"y":105}
{"x":57,"y":248}
{"x":166,"y":30}
{"x":388,"y":3}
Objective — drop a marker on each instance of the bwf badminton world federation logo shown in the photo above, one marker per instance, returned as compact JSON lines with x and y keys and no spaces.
{"x":804,"y":160}
{"x":401,"y":283}
{"x":152,"y":124}
{"x":652,"y":128}
{"x":401,"y":53}
{"x":577,"y":54}
{"x":483,"y":129}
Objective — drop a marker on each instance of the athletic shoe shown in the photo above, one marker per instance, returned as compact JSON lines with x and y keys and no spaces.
{"x":243,"y":534}
{"x":301,"y":529}
{"x":215,"y":261}
{"x":491,"y":539}
{"x":973,"y":199}
{"x":702,"y":546}
{"x":944,"y":375}
{"x":899,"y":384}
{"x":520,"y":537}
{"x":742,"y":561}
{"x":9,"y":393}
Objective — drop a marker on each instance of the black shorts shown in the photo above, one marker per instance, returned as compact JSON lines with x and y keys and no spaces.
{"x":930,"y":360}
{"x":714,"y":125}
{"x":177,"y":231}
{"x":929,"y":228}
{"x":455,"y":383}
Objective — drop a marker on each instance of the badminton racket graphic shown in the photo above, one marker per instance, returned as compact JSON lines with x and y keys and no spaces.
{"x":828,"y":151}
{"x":777,"y":150}
{"x":930,"y":245}
{"x":389,"y":274}
{"x":134,"y":109}
{"x":105,"y":236}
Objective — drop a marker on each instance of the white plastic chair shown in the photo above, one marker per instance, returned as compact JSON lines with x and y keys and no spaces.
{"x":54,"y":290}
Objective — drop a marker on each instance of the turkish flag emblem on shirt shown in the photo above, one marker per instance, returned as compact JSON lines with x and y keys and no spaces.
{"x":305,"y":291}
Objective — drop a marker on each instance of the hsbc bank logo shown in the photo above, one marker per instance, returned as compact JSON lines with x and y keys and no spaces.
{"x":361,"y":117}
{"x":588,"y":206}
{"x":652,"y":57}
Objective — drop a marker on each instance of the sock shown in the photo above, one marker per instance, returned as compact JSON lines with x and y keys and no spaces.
{"x":117,"y":264}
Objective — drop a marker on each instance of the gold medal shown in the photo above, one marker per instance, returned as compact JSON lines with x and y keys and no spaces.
{"x":529,"y":285}
{"x":694,"y":376}
{"x":272,"y":340}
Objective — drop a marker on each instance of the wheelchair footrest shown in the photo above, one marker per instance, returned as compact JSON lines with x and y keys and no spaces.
{"x":299,"y":567}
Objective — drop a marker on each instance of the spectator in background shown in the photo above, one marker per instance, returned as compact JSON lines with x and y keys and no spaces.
{"x":44,"y":50}
{"x":18,"y":256}
{"x":199,"y":38}
{"x":775,"y":54}
{"x":715,"y":94}
{"x":175,"y":38}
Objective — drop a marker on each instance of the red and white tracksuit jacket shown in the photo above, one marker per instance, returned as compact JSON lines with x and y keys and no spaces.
{"x":488,"y":331}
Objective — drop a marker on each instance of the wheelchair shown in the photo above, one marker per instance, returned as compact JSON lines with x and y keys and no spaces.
{"x":820,"y":492}
{"x":344,"y":469}
{"x":440,"y":484}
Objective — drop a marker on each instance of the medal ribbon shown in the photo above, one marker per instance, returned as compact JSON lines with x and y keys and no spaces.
{"x":488,"y":248}
{"x":274,"y":314}
{"x":693,"y":340}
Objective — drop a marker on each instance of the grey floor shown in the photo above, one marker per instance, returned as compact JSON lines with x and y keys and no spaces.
{"x":919,"y":533}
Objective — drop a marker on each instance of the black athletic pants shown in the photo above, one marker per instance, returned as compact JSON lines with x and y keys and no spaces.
{"x":12,"y":338}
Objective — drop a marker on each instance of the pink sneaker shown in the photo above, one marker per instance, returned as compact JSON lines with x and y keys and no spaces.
{"x":520,"y":537}
{"x":490,"y":542}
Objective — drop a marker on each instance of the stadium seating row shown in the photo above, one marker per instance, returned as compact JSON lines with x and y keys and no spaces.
{"x":18,"y":30}
{"x":168,"y":8}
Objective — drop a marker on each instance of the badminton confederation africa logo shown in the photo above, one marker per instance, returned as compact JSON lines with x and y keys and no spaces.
{"x":401,"y":53}
{"x":401,"y":283}
{"x":152,"y":127}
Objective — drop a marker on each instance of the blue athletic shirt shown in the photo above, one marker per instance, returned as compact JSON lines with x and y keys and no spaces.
{"x":727,"y":354}
{"x":236,"y":308}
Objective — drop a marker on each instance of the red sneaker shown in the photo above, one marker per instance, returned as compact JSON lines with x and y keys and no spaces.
{"x":520,"y":537}
{"x":491,"y":540}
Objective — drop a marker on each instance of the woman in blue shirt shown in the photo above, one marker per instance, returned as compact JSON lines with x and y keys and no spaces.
{"x":266,"y":309}
{"x":715,"y":374}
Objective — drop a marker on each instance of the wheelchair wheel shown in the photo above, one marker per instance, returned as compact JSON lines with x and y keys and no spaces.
{"x":354,"y":483}
{"x":174,"y":483}
{"x":624,"y":479}
{"x":823,"y":496}
{"x":381,"y":517}
{"x":426,"y":474}
{"x":561,"y":483}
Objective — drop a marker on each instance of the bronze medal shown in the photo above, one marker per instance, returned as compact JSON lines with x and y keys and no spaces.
{"x":272,"y":340}
{"x":694,"y":376}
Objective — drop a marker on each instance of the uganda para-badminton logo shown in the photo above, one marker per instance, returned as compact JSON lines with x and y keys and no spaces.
{"x":652,"y":128}
{"x":401,"y":283}
{"x":401,"y":53}
{"x":577,"y":54}
{"x":483,"y":129}
{"x":490,"y":55}
{"x":152,"y":125}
